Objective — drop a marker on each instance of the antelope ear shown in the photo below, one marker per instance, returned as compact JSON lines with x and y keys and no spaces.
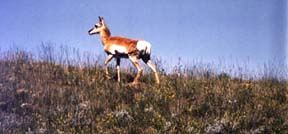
{"x":103,"y":21}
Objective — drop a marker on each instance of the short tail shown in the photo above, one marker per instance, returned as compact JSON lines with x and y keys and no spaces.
{"x":148,"y":49}
{"x":144,"y":46}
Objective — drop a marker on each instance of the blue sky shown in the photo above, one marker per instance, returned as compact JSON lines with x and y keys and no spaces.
{"x":233,"y":31}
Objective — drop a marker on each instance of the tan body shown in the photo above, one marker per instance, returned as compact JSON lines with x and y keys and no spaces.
{"x":120,"y":47}
{"x":129,"y":44}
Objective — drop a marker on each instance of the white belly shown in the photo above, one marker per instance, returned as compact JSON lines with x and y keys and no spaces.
{"x":118,"y":49}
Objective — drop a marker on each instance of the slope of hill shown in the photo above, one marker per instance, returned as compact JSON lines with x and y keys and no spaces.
{"x":44,"y":97}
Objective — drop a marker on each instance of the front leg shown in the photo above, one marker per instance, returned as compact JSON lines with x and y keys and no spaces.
{"x":108,"y":59}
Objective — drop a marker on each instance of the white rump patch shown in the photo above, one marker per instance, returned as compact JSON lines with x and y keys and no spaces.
{"x":144,"y":46}
{"x":119,"y":49}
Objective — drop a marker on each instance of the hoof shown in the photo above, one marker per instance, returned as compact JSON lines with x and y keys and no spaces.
{"x":141,"y":72}
{"x":133,"y":84}
{"x":108,"y":77}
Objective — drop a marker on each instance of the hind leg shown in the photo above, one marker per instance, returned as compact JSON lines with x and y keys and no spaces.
{"x":118,"y":69}
{"x":148,"y":61}
{"x":135,"y":62}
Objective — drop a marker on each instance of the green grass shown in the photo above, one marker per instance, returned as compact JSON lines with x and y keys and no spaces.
{"x":43,"y":96}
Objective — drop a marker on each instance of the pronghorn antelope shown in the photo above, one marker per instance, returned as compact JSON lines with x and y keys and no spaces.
{"x":120,"y":47}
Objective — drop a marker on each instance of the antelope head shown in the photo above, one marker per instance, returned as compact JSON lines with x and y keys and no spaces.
{"x":98,"y":27}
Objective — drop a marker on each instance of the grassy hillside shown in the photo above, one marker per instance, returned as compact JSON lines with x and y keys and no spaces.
{"x":41,"y":96}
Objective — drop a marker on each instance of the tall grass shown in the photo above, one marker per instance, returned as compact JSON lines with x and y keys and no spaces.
{"x":65,"y":92}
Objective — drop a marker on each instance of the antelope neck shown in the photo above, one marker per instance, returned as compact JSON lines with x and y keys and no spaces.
{"x":105,"y":35}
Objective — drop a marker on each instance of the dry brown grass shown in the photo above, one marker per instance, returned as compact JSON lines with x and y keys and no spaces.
{"x":42,"y":96}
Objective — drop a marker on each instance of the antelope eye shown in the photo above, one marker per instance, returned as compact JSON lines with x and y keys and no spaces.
{"x":96,"y":26}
